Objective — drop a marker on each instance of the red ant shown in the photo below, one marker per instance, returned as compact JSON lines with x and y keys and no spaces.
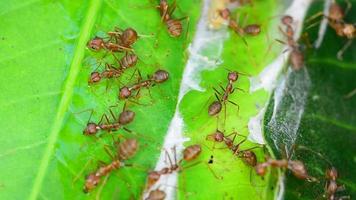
{"x":331,"y":186}
{"x":215,"y":107}
{"x":125,"y":150}
{"x":129,"y":60}
{"x":248,"y":156}
{"x":296,"y":55}
{"x":336,"y":22}
{"x":122,"y":41}
{"x":251,"y":29}
{"x":174,"y":26}
{"x":190,"y":153}
{"x":125,"y":117}
{"x":159,"y":76}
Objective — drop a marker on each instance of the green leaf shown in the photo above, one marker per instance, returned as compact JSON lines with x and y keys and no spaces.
{"x":44,"y":154}
{"x":324,"y":134}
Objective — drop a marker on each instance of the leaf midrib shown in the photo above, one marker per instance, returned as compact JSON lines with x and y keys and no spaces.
{"x":67,"y":94}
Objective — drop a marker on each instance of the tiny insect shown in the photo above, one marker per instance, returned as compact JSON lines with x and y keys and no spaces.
{"x":125,"y":117}
{"x":296,"y":55}
{"x":248,"y":156}
{"x":174,"y":26}
{"x":336,"y":21}
{"x":251,"y":29}
{"x":125,"y":150}
{"x":159,"y":76}
{"x":190,"y":153}
{"x":297,"y":168}
{"x":216,"y":106}
{"x":128,"y":61}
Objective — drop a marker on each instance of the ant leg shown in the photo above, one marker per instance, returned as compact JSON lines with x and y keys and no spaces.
{"x":350,"y":94}
{"x":98,"y":194}
{"x":75,"y":179}
{"x":213,"y":172}
{"x":216,"y":91}
{"x":173,"y":7}
{"x":316,"y":15}
{"x":233,"y":103}
{"x":343,"y":49}
{"x":112,"y":114}
{"x":106,"y":118}
{"x":348,"y":7}
{"x":108,"y":151}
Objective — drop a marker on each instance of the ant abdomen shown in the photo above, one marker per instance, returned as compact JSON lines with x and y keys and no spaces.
{"x":156,"y":195}
{"x":191,"y":152}
{"x":160,"y":76}
{"x":174,"y":27}
{"x":252,"y":29}
{"x":128,"y":60}
{"x":127,"y":149}
{"x":126,"y":117}
{"x":297,"y":59}
{"x":128,"y":37}
{"x":214,"y":108}
{"x":250,"y":158}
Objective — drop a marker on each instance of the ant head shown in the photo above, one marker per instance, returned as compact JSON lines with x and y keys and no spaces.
{"x":287,"y":20}
{"x":126,"y":117}
{"x":224,"y":13}
{"x":233,"y":76}
{"x":260,"y":169}
{"x":91,"y":182}
{"x":160,"y":76}
{"x":96,"y":44}
{"x":94,"y":77}
{"x":125,"y":93}
{"x":217,"y":136}
{"x":90,"y":129}
{"x":336,"y":12}
{"x":331,"y":173}
{"x":214,"y":108}
{"x":191,"y":152}
{"x":129,"y":36}
{"x":298,"y":169}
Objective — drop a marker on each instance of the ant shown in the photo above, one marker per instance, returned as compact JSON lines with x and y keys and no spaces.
{"x":251,"y":29}
{"x":174,"y":26}
{"x":190,"y":153}
{"x":122,"y":41}
{"x":297,"y":168}
{"x":296,"y":55}
{"x":125,"y":151}
{"x":336,"y":22}
{"x":248,"y":156}
{"x":125,"y":117}
{"x":159,"y":76}
{"x":156,"y":194}
{"x":215,"y":107}
{"x":331,"y":186}
{"x":129,"y":60}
